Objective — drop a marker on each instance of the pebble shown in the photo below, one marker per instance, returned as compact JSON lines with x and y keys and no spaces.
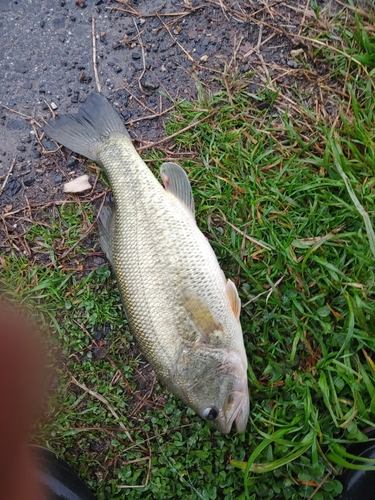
{"x":53,"y":106}
{"x":126,"y":114}
{"x":75,"y":98}
{"x":150,"y":84}
{"x":292,"y":63}
{"x":12,"y":188}
{"x":29,"y":182}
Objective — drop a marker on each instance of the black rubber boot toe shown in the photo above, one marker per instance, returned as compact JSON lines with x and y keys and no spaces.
{"x":57,"y":478}
{"x":360,"y":484}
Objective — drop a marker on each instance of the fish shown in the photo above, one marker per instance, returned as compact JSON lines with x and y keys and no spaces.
{"x":180,"y":307}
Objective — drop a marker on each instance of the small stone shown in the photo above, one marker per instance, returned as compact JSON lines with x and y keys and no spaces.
{"x":98,"y":260}
{"x":53,"y":106}
{"x":71,"y":163}
{"x":204,"y":58}
{"x":136,"y":56}
{"x":75,"y":98}
{"x":126,"y":114}
{"x":29,"y":182}
{"x":42,"y":23}
{"x":149,"y":84}
{"x":12,"y":188}
{"x":292,"y":63}
{"x":62,"y":38}
{"x":163,"y":68}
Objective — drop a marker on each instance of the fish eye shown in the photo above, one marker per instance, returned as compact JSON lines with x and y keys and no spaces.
{"x":210,"y":413}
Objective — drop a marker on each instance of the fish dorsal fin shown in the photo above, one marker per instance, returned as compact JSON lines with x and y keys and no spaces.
{"x":177,"y":183}
{"x":202,"y":318}
{"x":234,"y":299}
{"x":106,"y":225}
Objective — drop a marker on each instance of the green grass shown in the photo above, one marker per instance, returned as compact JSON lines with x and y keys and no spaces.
{"x":303,"y":189}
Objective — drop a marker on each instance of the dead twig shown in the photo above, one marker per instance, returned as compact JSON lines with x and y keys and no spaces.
{"x":103,"y":400}
{"x":324,"y":480}
{"x":43,"y":205}
{"x":168,"y":14}
{"x":131,"y":9}
{"x":304,"y":16}
{"x":136,"y":99}
{"x":143,"y":57}
{"x":149,"y":117}
{"x":27,"y":117}
{"x":123,"y":486}
{"x":112,"y":363}
{"x":88,"y":230}
{"x":94,"y":61}
{"x":334,"y":49}
{"x":268,"y":291}
{"x":250,"y":238}
{"x":175,"y":40}
{"x":153,"y":144}
{"x":7,"y":175}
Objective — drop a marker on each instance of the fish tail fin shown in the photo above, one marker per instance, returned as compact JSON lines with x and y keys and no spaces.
{"x":85,"y":131}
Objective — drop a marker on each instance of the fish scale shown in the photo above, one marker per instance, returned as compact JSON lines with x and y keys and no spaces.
{"x":180,"y":307}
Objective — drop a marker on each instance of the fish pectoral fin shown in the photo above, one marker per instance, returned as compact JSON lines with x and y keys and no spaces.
{"x":177,"y":183}
{"x":202,"y":318}
{"x":106,"y":226}
{"x":234,"y":299}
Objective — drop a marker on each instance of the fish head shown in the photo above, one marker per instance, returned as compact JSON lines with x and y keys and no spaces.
{"x":213,"y":382}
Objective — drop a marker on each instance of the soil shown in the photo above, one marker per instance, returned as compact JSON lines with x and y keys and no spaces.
{"x":148,"y":54}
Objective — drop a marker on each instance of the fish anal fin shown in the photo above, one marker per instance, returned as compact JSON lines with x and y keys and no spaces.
{"x":177,"y":183}
{"x":234,"y":299}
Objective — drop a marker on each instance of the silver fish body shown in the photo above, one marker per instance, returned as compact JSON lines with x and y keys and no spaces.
{"x":180,"y":307}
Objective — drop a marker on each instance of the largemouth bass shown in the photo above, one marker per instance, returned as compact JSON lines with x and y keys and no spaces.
{"x":182,"y":310}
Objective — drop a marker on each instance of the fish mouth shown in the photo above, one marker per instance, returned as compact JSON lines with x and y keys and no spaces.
{"x":239,"y":416}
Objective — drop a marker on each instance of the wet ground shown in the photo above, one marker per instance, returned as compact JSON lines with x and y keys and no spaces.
{"x":147,"y":55}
